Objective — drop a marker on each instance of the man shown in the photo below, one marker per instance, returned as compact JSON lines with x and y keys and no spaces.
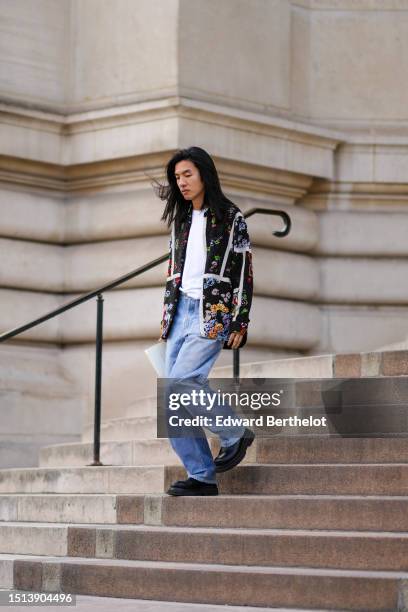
{"x":206,"y":308}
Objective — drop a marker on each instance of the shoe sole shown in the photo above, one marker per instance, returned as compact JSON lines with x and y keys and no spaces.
{"x":238,"y":457}
{"x":184,"y":492}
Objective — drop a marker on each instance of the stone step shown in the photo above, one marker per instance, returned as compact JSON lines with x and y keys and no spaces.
{"x":87,"y":603}
{"x":316,"y":479}
{"x":262,"y":547}
{"x":280,"y":511}
{"x":262,"y":479}
{"x":333,"y":449}
{"x":266,"y":547}
{"x":119,"y":452}
{"x":48,"y":539}
{"x":356,"y":513}
{"x":290,"y":449}
{"x":132,"y":428}
{"x":342,"y":365}
{"x":143,"y":406}
{"x":96,"y":479}
{"x":73,"y":508}
{"x":6,"y":571}
{"x":129,"y":452}
{"x":212,"y":583}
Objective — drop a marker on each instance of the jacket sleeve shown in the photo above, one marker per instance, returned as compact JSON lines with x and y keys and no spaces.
{"x":241,"y":277}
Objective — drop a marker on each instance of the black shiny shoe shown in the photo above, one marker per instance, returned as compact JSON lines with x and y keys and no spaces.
{"x":191,"y":486}
{"x":230,"y":456}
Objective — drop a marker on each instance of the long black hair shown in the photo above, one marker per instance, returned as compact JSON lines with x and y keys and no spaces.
{"x":176,"y":206}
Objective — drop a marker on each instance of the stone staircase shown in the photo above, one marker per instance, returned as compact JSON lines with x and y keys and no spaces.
{"x":305,"y":523}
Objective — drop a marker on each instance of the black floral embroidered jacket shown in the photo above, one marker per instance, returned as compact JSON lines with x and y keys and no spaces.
{"x":228,"y":276}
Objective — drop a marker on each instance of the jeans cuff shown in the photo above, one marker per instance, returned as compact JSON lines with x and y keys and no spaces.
{"x":201,"y":480}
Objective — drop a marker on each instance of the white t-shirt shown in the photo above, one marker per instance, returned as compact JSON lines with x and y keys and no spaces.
{"x":196,"y":255}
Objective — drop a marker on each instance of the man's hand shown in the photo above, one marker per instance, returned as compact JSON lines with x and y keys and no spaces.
{"x":234,"y":340}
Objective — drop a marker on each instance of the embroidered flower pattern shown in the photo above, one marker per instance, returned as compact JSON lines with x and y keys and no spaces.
{"x":225,"y":305}
{"x":241,"y":238}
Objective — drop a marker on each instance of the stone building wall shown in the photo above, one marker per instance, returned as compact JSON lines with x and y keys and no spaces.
{"x":302,"y":103}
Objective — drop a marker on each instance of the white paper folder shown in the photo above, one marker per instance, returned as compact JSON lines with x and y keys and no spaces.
{"x":156,"y":354}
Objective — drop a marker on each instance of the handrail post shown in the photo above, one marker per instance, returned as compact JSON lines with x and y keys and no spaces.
{"x":279,"y":234}
{"x":98,"y":380}
{"x":235,"y":355}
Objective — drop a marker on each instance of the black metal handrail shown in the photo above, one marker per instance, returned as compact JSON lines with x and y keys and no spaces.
{"x":99,"y":322}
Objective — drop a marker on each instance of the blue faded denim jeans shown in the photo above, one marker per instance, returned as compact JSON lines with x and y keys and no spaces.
{"x":189,"y":359}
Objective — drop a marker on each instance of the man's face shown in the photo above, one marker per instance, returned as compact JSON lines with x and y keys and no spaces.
{"x":188,"y":179}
